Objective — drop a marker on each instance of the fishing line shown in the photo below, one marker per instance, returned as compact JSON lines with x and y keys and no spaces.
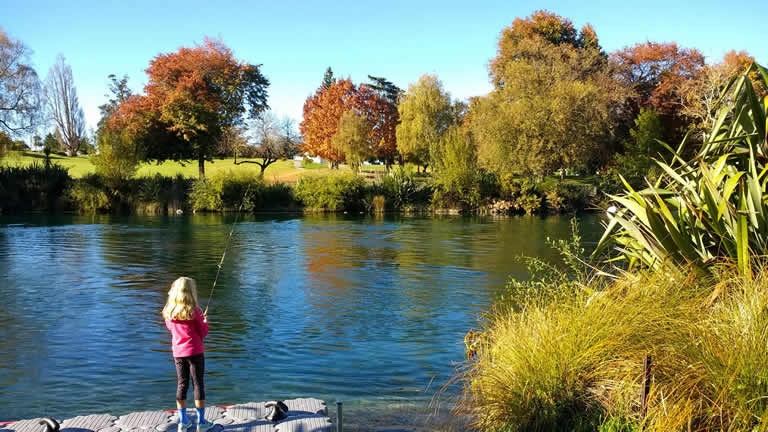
{"x":226,"y":247}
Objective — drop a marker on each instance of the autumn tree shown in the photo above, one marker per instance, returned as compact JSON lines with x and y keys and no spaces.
{"x":658,"y":74}
{"x":353,"y":139}
{"x":191,"y":96}
{"x":20,"y":90}
{"x":323,"y":111}
{"x":700,"y":94}
{"x":554,"y":100}
{"x":425,"y":114}
{"x":64,"y":106}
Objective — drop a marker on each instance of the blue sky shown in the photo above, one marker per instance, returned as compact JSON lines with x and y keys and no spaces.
{"x":400,"y":40}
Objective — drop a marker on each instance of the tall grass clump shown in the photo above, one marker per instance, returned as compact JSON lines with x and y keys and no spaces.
{"x":160,"y":194}
{"x":339,"y":192}
{"x":576,"y":363}
{"x":33,"y":188}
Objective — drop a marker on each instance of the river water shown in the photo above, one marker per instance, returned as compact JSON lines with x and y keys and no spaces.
{"x":371,"y":311}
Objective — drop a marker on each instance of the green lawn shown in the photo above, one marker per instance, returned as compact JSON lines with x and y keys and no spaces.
{"x":282,"y":171}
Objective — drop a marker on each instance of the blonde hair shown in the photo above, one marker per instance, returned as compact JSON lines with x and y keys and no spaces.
{"x":182,"y":300}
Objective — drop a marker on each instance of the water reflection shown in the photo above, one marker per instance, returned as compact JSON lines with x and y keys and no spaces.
{"x":371,"y":310}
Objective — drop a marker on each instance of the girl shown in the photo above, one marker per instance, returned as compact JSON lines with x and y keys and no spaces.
{"x":188,"y":326}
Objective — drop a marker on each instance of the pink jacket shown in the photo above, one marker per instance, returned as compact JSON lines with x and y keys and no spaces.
{"x":187,"y":336}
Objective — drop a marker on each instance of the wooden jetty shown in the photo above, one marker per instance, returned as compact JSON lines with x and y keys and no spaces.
{"x":304,"y":415}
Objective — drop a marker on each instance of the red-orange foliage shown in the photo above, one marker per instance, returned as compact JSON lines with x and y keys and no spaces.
{"x":192,"y":94}
{"x":550,"y":26}
{"x":541,"y":25}
{"x":738,"y":62}
{"x":323,"y":111}
{"x":657,"y":72}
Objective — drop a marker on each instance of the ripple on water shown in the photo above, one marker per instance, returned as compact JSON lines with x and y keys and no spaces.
{"x":365,"y":310}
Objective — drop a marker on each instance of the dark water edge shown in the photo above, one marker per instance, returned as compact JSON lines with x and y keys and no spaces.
{"x":368,"y":310}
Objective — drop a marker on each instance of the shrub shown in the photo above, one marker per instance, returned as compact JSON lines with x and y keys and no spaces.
{"x":455,"y":178}
{"x":230,"y":191}
{"x":206,"y":195}
{"x":530,"y":203}
{"x":566,"y":198}
{"x":89,"y":196}
{"x":564,"y":350}
{"x":307,"y":163}
{"x":33,"y":187}
{"x":161,"y":194}
{"x":401,"y":188}
{"x":340,"y":192}
{"x":278,"y":196}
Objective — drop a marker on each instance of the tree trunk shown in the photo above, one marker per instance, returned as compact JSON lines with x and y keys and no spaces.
{"x":263,"y":167}
{"x":201,"y":167}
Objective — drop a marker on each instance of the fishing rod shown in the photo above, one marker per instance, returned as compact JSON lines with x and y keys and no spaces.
{"x":226,"y":247}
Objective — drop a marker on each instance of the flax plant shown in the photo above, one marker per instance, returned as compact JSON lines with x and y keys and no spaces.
{"x":710,"y":207}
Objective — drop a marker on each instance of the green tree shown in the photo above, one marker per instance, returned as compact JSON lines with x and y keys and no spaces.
{"x":119,"y":92}
{"x":118,"y":158}
{"x":636,"y":163}
{"x":426,"y":114}
{"x":455,"y":168}
{"x":328,"y":78}
{"x":386,"y":88}
{"x":554,"y":102}
{"x":353,"y":139}
{"x":50,"y":144}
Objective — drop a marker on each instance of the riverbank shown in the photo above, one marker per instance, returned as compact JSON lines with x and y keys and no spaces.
{"x":50,"y":188}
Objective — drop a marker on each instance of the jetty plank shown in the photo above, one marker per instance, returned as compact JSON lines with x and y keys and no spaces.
{"x":304,"y":415}
{"x":92,"y":423}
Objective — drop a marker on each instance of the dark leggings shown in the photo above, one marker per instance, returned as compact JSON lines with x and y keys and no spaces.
{"x":183,"y":365}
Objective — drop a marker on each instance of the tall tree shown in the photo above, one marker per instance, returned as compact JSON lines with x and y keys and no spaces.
{"x":323,"y":111}
{"x":658,"y":74}
{"x":20,"y":90}
{"x":119,"y":92}
{"x":193,"y":94}
{"x":386,"y":88}
{"x":554,"y":100}
{"x":353,"y":139}
{"x":64,"y":106}
{"x":328,"y":78}
{"x":425,"y":114}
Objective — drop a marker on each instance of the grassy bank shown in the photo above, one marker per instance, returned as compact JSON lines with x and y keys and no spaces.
{"x":281,"y":171}
{"x":27,"y":184}
{"x":575,"y":361}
